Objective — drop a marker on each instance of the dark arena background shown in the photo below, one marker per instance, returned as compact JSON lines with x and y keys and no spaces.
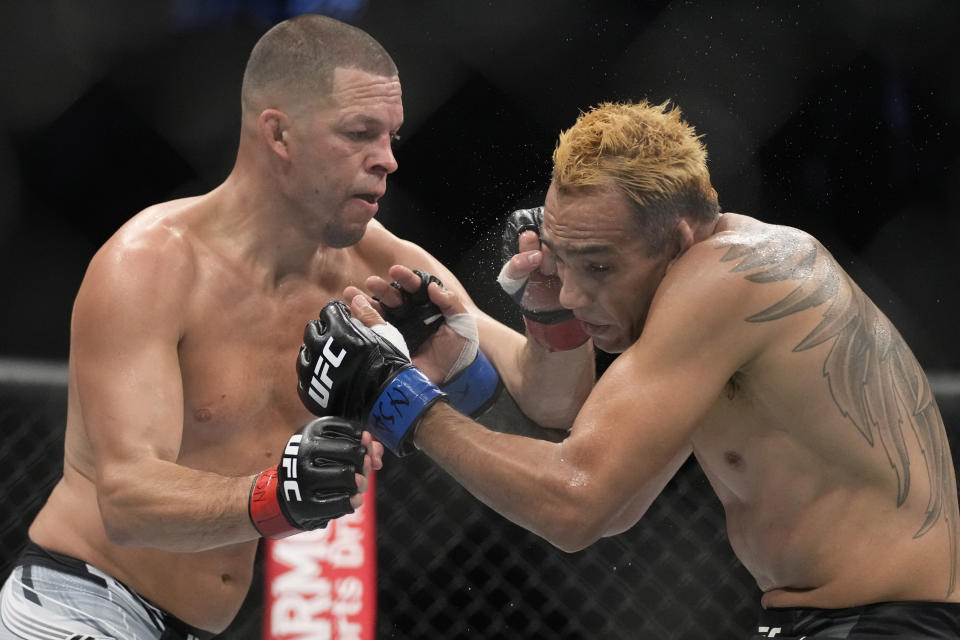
{"x":840,"y":118}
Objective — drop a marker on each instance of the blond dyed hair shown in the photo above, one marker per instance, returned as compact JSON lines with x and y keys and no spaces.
{"x":650,"y":154}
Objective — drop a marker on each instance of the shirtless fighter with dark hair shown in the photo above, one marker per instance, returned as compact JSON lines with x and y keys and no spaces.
{"x":185,"y":439}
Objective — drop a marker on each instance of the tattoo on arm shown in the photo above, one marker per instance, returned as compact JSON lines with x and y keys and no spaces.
{"x":872,"y":375}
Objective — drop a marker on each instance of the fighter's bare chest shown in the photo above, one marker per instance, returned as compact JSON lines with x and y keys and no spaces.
{"x":239,"y":380}
{"x":759,"y":429}
{"x":727,"y":438}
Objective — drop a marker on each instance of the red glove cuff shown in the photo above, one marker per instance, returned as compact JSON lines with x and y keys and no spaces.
{"x":562,"y":336}
{"x":264,"y":507}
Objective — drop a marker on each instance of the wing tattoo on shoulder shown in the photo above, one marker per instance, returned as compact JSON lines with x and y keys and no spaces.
{"x":873,"y":377}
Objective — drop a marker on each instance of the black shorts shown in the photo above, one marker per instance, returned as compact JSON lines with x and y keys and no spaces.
{"x":903,"y":620}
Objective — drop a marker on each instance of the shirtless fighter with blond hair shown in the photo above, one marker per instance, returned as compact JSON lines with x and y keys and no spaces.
{"x":742,"y":342}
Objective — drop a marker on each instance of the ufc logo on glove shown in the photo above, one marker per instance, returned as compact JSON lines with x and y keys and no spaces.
{"x":376,"y":384}
{"x":320,"y":383}
{"x":290,"y":486}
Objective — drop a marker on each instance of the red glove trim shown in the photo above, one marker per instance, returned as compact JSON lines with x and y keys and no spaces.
{"x":264,"y":507}
{"x":562,"y":336}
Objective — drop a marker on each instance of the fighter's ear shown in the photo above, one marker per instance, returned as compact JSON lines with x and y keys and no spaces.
{"x":273,"y":126}
{"x":682,"y":240}
{"x":684,"y":236}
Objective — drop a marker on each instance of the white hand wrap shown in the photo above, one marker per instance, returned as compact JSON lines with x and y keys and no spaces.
{"x":464,"y":325}
{"x":389,"y":333}
{"x":510,"y":285}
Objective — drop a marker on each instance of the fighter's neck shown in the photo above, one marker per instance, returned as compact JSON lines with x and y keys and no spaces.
{"x":257,"y":231}
{"x":720,"y":224}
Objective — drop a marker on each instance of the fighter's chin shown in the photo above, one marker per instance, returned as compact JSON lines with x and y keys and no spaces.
{"x":344,"y":236}
{"x":609,"y":346}
{"x":608,"y":339}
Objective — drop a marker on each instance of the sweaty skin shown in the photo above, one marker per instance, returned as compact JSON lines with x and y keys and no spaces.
{"x":748,"y":345}
{"x":185,"y":334}
{"x":183,"y":338}
{"x":831,"y":459}
{"x":223,"y":371}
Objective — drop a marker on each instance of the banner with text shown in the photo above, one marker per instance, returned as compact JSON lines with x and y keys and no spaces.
{"x":322,"y":584}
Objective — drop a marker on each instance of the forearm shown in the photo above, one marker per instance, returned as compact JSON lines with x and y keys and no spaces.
{"x":528,"y":481}
{"x":164,"y":505}
{"x":552,"y":386}
{"x":554,"y":363}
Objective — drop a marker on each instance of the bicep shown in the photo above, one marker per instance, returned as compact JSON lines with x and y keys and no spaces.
{"x":635,"y":423}
{"x":636,"y":427}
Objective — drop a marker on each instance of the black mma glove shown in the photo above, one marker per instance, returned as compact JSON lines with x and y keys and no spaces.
{"x":472,"y":382}
{"x":417,"y":318}
{"x":345,"y":368}
{"x":547,"y":321}
{"x":313,"y":482}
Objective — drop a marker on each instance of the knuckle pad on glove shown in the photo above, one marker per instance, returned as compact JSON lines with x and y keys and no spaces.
{"x":333,"y":313}
{"x":338,"y":453}
{"x":416,"y":317}
{"x":517,"y":222}
{"x":333,"y":441}
{"x":330,"y":480}
{"x":344,"y":430}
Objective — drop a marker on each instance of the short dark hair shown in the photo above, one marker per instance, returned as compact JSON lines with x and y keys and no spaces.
{"x":294,"y":61}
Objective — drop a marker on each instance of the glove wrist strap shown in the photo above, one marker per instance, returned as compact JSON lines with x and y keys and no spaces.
{"x":264,"y":507}
{"x":397,"y":410}
{"x":562,"y":336}
{"x":471,"y":390}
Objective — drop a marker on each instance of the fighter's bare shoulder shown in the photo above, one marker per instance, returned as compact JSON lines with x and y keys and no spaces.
{"x":746,"y":269}
{"x":385,"y":249}
{"x":744,"y":254}
{"x":380,"y":241}
{"x":150,"y":260}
